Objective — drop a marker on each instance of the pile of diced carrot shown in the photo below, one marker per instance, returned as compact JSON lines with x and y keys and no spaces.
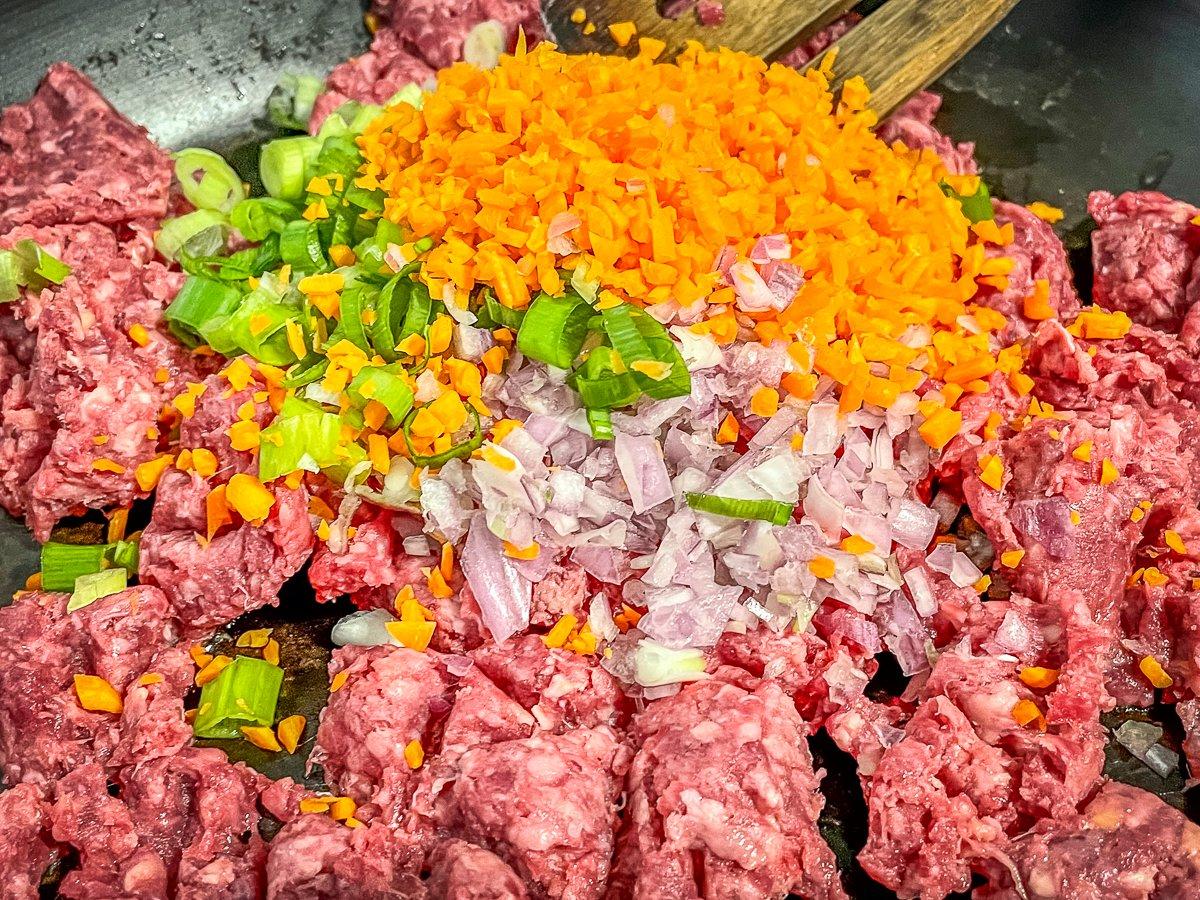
{"x":666,"y":164}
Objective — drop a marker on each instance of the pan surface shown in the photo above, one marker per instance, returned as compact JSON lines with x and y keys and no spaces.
{"x":1065,"y":97}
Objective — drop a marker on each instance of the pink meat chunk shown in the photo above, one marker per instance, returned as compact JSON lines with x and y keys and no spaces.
{"x":217,"y":409}
{"x":800,"y":56}
{"x":44,"y":732}
{"x":563,"y":590}
{"x":89,"y":395}
{"x":1037,"y":255}
{"x":67,"y":156}
{"x":1189,"y":715}
{"x":241,"y":569}
{"x":545,"y":805}
{"x":315,"y":858}
{"x":24,"y":819}
{"x":462,"y":871}
{"x":372,"y":77}
{"x":1126,"y":843}
{"x":391,"y":696}
{"x":180,"y":826}
{"x":912,"y":125}
{"x":1144,"y":255}
{"x":723,"y":800}
{"x":1145,"y":366}
{"x":819,"y":676}
{"x":374,"y":567}
{"x":562,"y":690}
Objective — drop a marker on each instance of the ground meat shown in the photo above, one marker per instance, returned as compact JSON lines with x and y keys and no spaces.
{"x":242,"y":568}
{"x":44,"y":732}
{"x":68,"y":156}
{"x":217,"y":409}
{"x":152,"y":721}
{"x":545,"y":804}
{"x":462,"y":871}
{"x":723,"y":800}
{"x":912,"y":125}
{"x":77,"y":422}
{"x":316,"y":858}
{"x":371,"y":78}
{"x":1189,"y":716}
{"x":563,"y":590}
{"x":803,"y":665}
{"x":1144,"y":254}
{"x":23,"y":821}
{"x":563,"y":690}
{"x":801,"y":55}
{"x":374,"y":567}
{"x":181,"y":826}
{"x":1037,"y":255}
{"x":1126,"y":843}
{"x":392,"y":695}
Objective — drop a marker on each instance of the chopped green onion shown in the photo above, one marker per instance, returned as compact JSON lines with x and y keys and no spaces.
{"x":600,"y":421}
{"x":554,"y":329}
{"x":656,"y":664}
{"x":598,"y":383}
{"x":501,"y":315}
{"x":354,"y":301}
{"x":977,"y":207}
{"x":367,"y":113}
{"x":773,"y":511}
{"x":386,"y":385}
{"x":283,"y":165}
{"x":678,"y":381}
{"x":391,"y":306}
{"x":312,"y":368}
{"x":411,"y":94}
{"x":261,"y":216}
{"x":258,"y":326}
{"x":201,"y":232}
{"x":418,"y":314}
{"x":63,"y":563}
{"x":217,"y":187}
{"x":200,"y":303}
{"x":10,"y":278}
{"x":339,"y":156}
{"x":40,"y":264}
{"x":300,"y":246}
{"x":437,"y":460}
{"x":91,"y":587}
{"x":291,"y":102}
{"x":124,"y":554}
{"x":303,"y":436}
{"x":245,"y":693}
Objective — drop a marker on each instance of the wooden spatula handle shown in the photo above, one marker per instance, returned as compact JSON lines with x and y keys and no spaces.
{"x":906,"y":44}
{"x":762,"y":27}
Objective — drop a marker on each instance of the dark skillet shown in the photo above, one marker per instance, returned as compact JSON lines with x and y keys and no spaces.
{"x":1067,"y":96}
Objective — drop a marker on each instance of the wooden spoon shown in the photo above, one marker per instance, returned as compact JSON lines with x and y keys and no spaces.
{"x":900,"y":48}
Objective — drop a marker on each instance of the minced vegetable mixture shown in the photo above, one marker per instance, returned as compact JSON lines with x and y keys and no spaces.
{"x":644,"y":409}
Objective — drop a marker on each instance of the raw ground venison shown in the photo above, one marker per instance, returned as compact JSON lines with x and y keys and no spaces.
{"x":545,"y":804}
{"x":68,"y":156}
{"x":86,"y":378}
{"x":392,"y":696}
{"x":44,"y":733}
{"x":1037,"y":255}
{"x":1144,"y":255}
{"x":1126,"y":843}
{"x":217,"y":408}
{"x":561,"y":689}
{"x":723,"y":800}
{"x":24,"y":823}
{"x":374,"y":566}
{"x":315,"y":858}
{"x":462,"y":871}
{"x":912,"y":124}
{"x":242,"y":568}
{"x":183,"y":826}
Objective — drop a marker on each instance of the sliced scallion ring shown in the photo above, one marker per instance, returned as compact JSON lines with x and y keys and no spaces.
{"x":554,"y":329}
{"x":207,"y":181}
{"x":774,"y":511}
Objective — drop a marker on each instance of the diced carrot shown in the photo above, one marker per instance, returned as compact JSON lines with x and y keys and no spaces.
{"x":289,"y":732}
{"x":822,"y":567}
{"x":270,"y":653}
{"x":414,"y":754}
{"x":414,"y":635}
{"x":214,"y":668}
{"x":557,"y":636}
{"x":1038,"y":676}
{"x":338,"y":682}
{"x":1155,"y":673}
{"x":262,"y":737}
{"x":1026,"y":712}
{"x":97,"y":695}
{"x":856,"y":544}
{"x":254,"y":639}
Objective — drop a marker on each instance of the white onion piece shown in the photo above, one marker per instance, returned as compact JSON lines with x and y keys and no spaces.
{"x":913,"y":524}
{"x":640,"y":459}
{"x":502,"y":593}
{"x":484,"y":44}
{"x":657,"y":665}
{"x":821,"y":435}
{"x":600,"y":619}
{"x":921,"y":590}
{"x":363,"y":629}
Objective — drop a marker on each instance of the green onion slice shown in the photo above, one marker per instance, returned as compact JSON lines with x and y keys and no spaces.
{"x":501,"y":315}
{"x":245,"y":693}
{"x":91,"y":587}
{"x":600,"y":421}
{"x":63,"y":563}
{"x":437,"y":460}
{"x":977,"y":207}
{"x":38,"y":264}
{"x":391,"y":305}
{"x":385,"y":384}
{"x":283,"y":165}
{"x":355,"y":300}
{"x":773,"y":511}
{"x":202,"y":233}
{"x":11,"y":280}
{"x":554,"y":329}
{"x":418,"y":314}
{"x":303,"y":436}
{"x":312,"y":368}
{"x":199,"y":303}
{"x":300,"y":246}
{"x":291,"y":102}
{"x":261,"y":216}
{"x":207,"y":180}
